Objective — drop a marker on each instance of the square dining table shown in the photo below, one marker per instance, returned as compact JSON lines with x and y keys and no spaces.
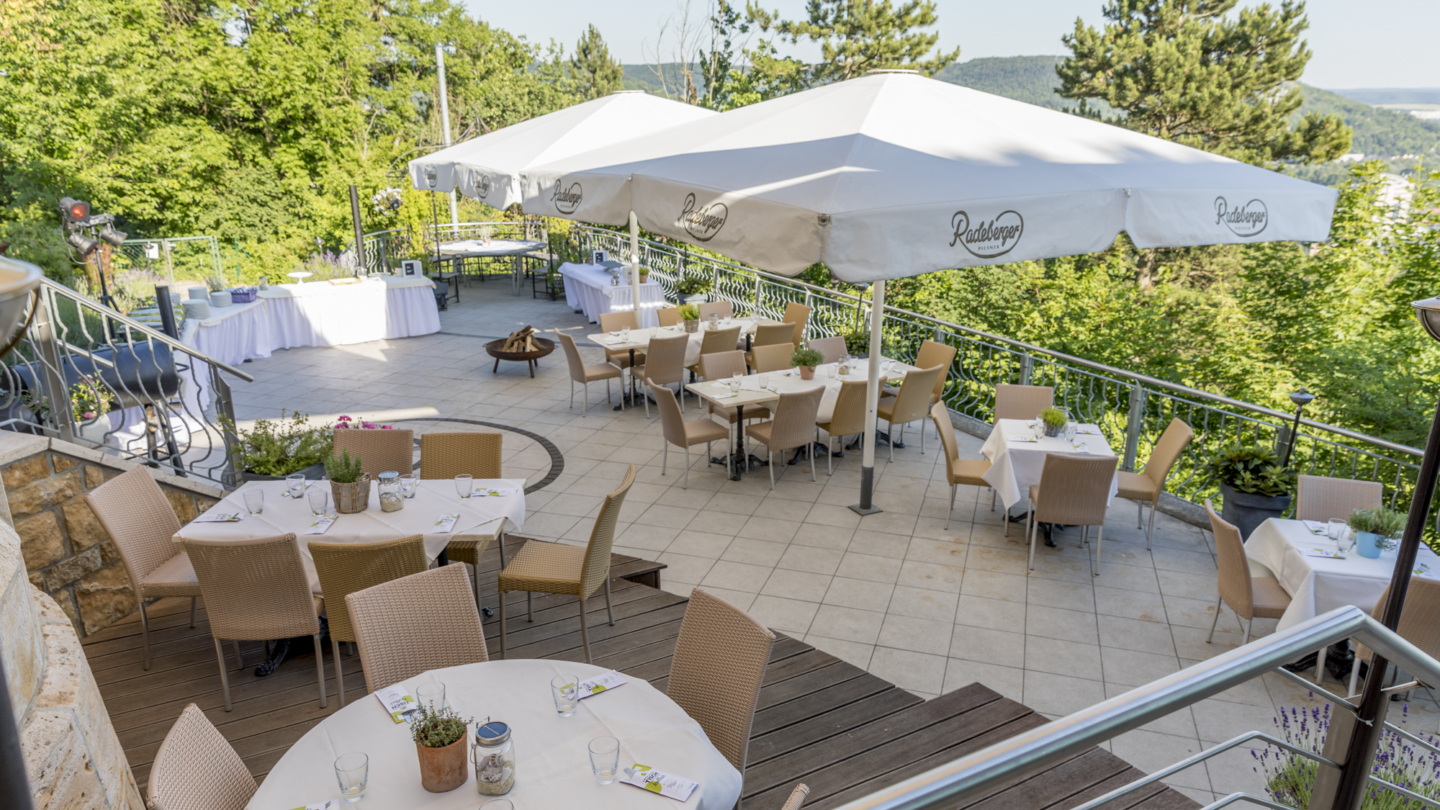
{"x":639,"y":339}
{"x":1017,"y":457}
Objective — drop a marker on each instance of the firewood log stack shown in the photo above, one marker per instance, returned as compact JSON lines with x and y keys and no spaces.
{"x":522,"y":341}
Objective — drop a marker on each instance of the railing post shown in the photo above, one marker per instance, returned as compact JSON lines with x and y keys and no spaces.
{"x":938,"y":335}
{"x":757,"y":290}
{"x":225,"y":407}
{"x":1026,"y":363}
{"x":1134,"y":426}
{"x":51,"y":376}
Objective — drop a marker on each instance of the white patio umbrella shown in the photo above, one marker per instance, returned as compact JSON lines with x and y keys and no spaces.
{"x":892,"y":175}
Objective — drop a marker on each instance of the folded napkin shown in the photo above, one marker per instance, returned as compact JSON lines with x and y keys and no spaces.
{"x":397,"y":701}
{"x":321,"y":525}
{"x":1023,"y":439}
{"x":446,"y":523}
{"x":668,"y":785}
{"x":221,"y":517}
{"x":600,"y":683}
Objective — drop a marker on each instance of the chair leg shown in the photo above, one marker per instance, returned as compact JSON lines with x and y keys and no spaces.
{"x":686,"y":484}
{"x":145,"y":636}
{"x":240,"y":662}
{"x":502,"y":624}
{"x":646,"y":397}
{"x":339,"y":670}
{"x":812,"y":463}
{"x":1099,"y":547}
{"x":320,"y":670}
{"x":530,"y":606}
{"x":584,"y":632}
{"x":608,"y":400}
{"x":890,"y":439}
{"x":1247,"y":632}
{"x":1139,"y":514}
{"x":922,"y":437}
{"x":193,"y":600}
{"x":1030,"y":526}
{"x":951,"y":514}
{"x":1149,"y":533}
{"x":1219,"y":606}
{"x":609,"y":605}
{"x":586,"y":404}
{"x":224,"y":679}
{"x":829,"y":455}
{"x":992,"y":500}
{"x":572,"y":391}
{"x":665,"y":459}
{"x":770,"y":457}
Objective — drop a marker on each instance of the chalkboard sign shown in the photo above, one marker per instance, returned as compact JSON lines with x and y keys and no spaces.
{"x":599,"y":256}
{"x":410,"y":267}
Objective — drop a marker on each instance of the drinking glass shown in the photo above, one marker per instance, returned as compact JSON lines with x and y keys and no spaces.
{"x":624,"y":334}
{"x":352,"y":771}
{"x":565,"y":689}
{"x":409,"y":482}
{"x":254,"y":500}
{"x":498,"y":804}
{"x":1335,"y":529}
{"x":464,"y":485}
{"x":319,"y":501}
{"x":605,"y":759}
{"x":763,"y":380}
{"x":431,"y":694}
{"x":295,"y":484}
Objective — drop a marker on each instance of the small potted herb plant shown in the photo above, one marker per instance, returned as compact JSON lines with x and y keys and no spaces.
{"x":440,"y":736}
{"x":1253,"y":483}
{"x":349,"y":485}
{"x":693,"y":289}
{"x":1376,"y":530}
{"x":690,"y":314}
{"x":1054,"y":421}
{"x":271,"y":450}
{"x":806,"y":359}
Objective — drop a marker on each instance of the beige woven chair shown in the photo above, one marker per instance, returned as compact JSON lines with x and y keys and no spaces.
{"x":1249,"y":596}
{"x":912,"y":404}
{"x":798,"y":314}
{"x":686,"y":434}
{"x":664,"y":365}
{"x":831,"y":347}
{"x":846,"y":419}
{"x":474,"y":453}
{"x":1074,"y":490}
{"x":583,"y":374}
{"x":1419,"y":623}
{"x":614,"y":322}
{"x":555,"y":568}
{"x":797,"y":797}
{"x":719,"y":665}
{"x":934,"y":354}
{"x":1022,"y":401}
{"x":344,"y":568}
{"x":775,"y":357}
{"x":415,"y":624}
{"x":721,"y":366}
{"x":379,"y":450}
{"x":256,"y":590}
{"x":792,"y":427}
{"x":970,"y":472}
{"x":771,"y":334}
{"x":1322,"y":499}
{"x":135,"y":513}
{"x":1145,"y":486}
{"x":717,"y":341}
{"x":669,"y":316}
{"x":196,"y":769}
{"x":721,"y":309}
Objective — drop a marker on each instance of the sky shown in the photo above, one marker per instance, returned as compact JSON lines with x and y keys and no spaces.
{"x":1377,"y":43}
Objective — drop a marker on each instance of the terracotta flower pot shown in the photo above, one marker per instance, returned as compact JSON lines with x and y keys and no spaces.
{"x":351,"y":498}
{"x":807,"y":372}
{"x":444,"y":769}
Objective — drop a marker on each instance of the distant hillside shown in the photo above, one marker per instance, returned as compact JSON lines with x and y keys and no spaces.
{"x":1377,"y":131}
{"x":1030,"y":79}
{"x":1393,"y":95}
{"x":642,"y":77}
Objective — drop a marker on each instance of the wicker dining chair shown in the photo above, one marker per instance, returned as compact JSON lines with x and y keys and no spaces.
{"x":555,"y":568}
{"x":1419,"y":623}
{"x":1022,"y":401}
{"x":582,"y":373}
{"x":846,"y":419}
{"x":912,"y":404}
{"x":775,"y":357}
{"x":717,"y":341}
{"x":415,"y":624}
{"x":344,"y":568}
{"x":798,"y":314}
{"x":669,"y":316}
{"x":717,"y":669}
{"x":379,"y":450}
{"x":665,"y":365}
{"x":686,"y":434}
{"x":1248,"y":595}
{"x":771,"y":334}
{"x":473,"y":453}
{"x":721,"y":366}
{"x":797,"y":797}
{"x":136,"y":515}
{"x":1320,"y":498}
{"x":720,"y":309}
{"x":614,"y":322}
{"x":1074,"y":490}
{"x":830,"y":347}
{"x":792,"y":427}
{"x":196,"y":769}
{"x":256,"y":590}
{"x":934,"y":354}
{"x":1147,"y":485}
{"x":967,"y":471}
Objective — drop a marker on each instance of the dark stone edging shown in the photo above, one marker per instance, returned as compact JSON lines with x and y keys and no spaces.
{"x":557,"y":459}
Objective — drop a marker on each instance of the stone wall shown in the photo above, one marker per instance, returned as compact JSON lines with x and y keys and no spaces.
{"x":65,"y":550}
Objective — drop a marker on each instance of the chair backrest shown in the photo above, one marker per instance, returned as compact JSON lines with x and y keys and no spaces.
{"x":849,"y":414}
{"x":1419,"y":618}
{"x":254,"y":589}
{"x":672,"y":422}
{"x":913,"y":402}
{"x":572,"y":359}
{"x":799,"y":314}
{"x":1167,"y":451}
{"x":720,"y":340}
{"x":831,"y":347}
{"x":665,"y":359}
{"x":135,"y":513}
{"x":379,"y":450}
{"x":446,"y":455}
{"x":1320,"y":498}
{"x":1075,"y":489}
{"x":615,"y":321}
{"x":344,"y":568}
{"x":723,"y":309}
{"x":417,"y":623}
{"x":196,"y":769}
{"x":669,"y":316}
{"x":797,"y":797}
{"x":941,"y":416}
{"x":1233,"y":581}
{"x":602,"y":538}
{"x":794,"y":422}
{"x":715,"y":676}
{"x":720,"y":365}
{"x":933,"y":354}
{"x":775,"y":357}
{"x":769,"y":334}
{"x":1022,"y":401}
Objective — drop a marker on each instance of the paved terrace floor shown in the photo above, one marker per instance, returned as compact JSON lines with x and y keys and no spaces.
{"x":928,"y":608}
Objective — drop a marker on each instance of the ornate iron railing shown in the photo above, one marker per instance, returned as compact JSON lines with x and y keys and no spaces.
{"x":383,"y":250}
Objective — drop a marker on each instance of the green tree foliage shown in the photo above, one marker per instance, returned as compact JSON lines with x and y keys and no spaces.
{"x":1186,"y":71}
{"x":594,"y":69}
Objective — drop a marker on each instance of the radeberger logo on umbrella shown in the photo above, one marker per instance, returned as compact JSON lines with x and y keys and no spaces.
{"x":566,"y":199}
{"x":705,"y":222}
{"x":482,"y":189}
{"x":986,"y":240}
{"x":1243,"y":220}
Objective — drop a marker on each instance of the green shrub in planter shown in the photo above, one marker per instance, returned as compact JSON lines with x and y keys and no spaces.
{"x":1384,"y":522}
{"x":1249,"y":469}
{"x":277,"y":448}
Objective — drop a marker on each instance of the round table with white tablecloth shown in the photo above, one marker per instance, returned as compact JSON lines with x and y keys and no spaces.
{"x":552,"y":770}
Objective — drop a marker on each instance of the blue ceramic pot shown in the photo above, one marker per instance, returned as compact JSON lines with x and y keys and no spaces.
{"x":1368,"y":544}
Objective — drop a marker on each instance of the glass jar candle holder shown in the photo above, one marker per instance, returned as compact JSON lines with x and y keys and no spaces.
{"x":391,"y":499}
{"x":494,"y":758}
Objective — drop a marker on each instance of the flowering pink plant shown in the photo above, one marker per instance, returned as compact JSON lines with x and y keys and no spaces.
{"x":345,"y":422}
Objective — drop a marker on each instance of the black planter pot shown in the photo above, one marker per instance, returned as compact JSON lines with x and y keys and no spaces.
{"x":314,"y":472}
{"x":1246,"y":510}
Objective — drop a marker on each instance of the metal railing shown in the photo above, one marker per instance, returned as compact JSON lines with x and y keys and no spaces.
{"x":87,"y":374}
{"x":383,"y":250}
{"x":1132,"y":409}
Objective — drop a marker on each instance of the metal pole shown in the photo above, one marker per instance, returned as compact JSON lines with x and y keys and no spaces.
{"x":872,"y":403}
{"x":445,"y":122}
{"x":1294,"y":437}
{"x":359,"y":232}
{"x":52,"y":373}
{"x":635,"y":267}
{"x":1134,"y":425}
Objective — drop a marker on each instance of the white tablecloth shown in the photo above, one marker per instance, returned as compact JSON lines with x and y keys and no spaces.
{"x":640,"y":338}
{"x":552,"y":769}
{"x":789,"y":382}
{"x":1015,"y":466}
{"x":433,"y":498}
{"x":588,"y":289}
{"x":1318,"y":584}
{"x":495,"y":247}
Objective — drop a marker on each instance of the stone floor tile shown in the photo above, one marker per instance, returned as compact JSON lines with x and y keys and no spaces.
{"x":850,"y":652}
{"x":918,"y":635}
{"x":1132,"y":668}
{"x":754,"y":552}
{"x":999,"y":647}
{"x":865,"y":566}
{"x":848,"y":624}
{"x":1008,"y":681}
{"x":736,"y":576}
{"x":994,"y":614}
{"x":812,"y":534}
{"x":684,"y":567}
{"x":923,"y":603}
{"x":1069,"y":658}
{"x":1134,"y":634}
{"x":862,"y":594}
{"x":739,"y":599}
{"x":790,"y":616}
{"x":1130,"y":604}
{"x":1151,"y":752}
{"x":1061,"y":624}
{"x":1060,"y":695}
{"x":796,"y":585}
{"x":991,"y":585}
{"x":1067,"y":595}
{"x":915,"y":671}
{"x":878,"y":544}
{"x":932,"y":576}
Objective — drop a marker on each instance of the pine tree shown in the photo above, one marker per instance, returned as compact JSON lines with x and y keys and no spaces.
{"x":597,"y":72}
{"x":855,"y":36}
{"x":1187,"y":71}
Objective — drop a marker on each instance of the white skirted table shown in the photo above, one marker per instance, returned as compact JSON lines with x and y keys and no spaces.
{"x":588,"y":289}
{"x":552,"y":766}
{"x":516,"y":249}
{"x":1017,"y":457}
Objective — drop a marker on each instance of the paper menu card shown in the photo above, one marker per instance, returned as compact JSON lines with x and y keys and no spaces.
{"x":489,"y":492}
{"x":1315,"y":527}
{"x":668,"y":785}
{"x":221,"y":517}
{"x":397,"y":700}
{"x":1326,"y":553}
{"x":333,"y":804}
{"x":446,"y":523}
{"x":600,"y":683}
{"x":321,"y":525}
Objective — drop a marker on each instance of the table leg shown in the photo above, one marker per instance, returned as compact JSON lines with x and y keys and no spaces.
{"x":739,"y":460}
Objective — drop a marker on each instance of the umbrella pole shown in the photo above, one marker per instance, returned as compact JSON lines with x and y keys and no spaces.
{"x":872,"y":402}
{"x":635,"y":267}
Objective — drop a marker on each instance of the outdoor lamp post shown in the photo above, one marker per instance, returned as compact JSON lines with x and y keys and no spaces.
{"x":1360,"y":753}
{"x":1301,"y":398}
{"x":430,"y":180}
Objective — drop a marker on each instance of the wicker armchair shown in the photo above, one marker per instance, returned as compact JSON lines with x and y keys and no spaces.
{"x":797,"y":797}
{"x":1022,"y":401}
{"x":583,"y":374}
{"x":934,"y":354}
{"x":792,"y":427}
{"x":256,"y":590}
{"x":665,"y":365}
{"x":722,"y":366}
{"x":831,"y":347}
{"x":555,"y":568}
{"x":379,"y":450}
{"x":1074,"y":490}
{"x":721,"y":309}
{"x":1249,"y":596}
{"x":1320,"y":498}
{"x":717,"y":341}
{"x":1145,"y":486}
{"x":798,"y":314}
{"x":669,"y":316}
{"x":344,"y":568}
{"x":912,"y":404}
{"x":614,"y":322}
{"x":196,"y":769}
{"x":775,"y":357}
{"x":135,"y":513}
{"x":1419,"y":623}
{"x":686,"y":434}
{"x":415,"y":624}
{"x":771,"y":334}
{"x":970,"y":472}
{"x":446,"y":455}
{"x":719,"y":665}
{"x":845,"y":419}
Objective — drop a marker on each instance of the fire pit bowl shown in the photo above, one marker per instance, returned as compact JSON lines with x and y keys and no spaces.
{"x":493,"y":348}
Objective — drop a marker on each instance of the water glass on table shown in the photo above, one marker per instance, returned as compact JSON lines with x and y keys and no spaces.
{"x":254,"y":500}
{"x":464,"y":485}
{"x":565,"y":689}
{"x":431,"y":695}
{"x":605,"y":759}
{"x":319,"y":502}
{"x":409,"y":482}
{"x":498,"y":804}
{"x":352,"y":771}
{"x":294,"y":484}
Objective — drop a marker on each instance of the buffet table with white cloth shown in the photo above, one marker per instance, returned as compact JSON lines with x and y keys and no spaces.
{"x":588,"y":288}
{"x":552,"y":766}
{"x":1017,"y":457}
{"x":1318,"y":584}
{"x":286,"y":316}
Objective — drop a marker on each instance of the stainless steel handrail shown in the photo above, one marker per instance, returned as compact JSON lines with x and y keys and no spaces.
{"x":968,"y":776}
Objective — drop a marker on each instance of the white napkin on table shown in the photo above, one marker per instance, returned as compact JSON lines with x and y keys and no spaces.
{"x":221,"y":517}
{"x":600,"y":683}
{"x":321,"y":525}
{"x":668,"y":785}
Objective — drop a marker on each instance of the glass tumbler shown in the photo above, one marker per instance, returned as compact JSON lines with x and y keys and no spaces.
{"x":605,"y":759}
{"x":352,"y":771}
{"x":294,"y":484}
{"x":319,"y":501}
{"x":409,"y":482}
{"x":431,"y":695}
{"x":254,"y":500}
{"x":565,"y":689}
{"x":464,"y":485}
